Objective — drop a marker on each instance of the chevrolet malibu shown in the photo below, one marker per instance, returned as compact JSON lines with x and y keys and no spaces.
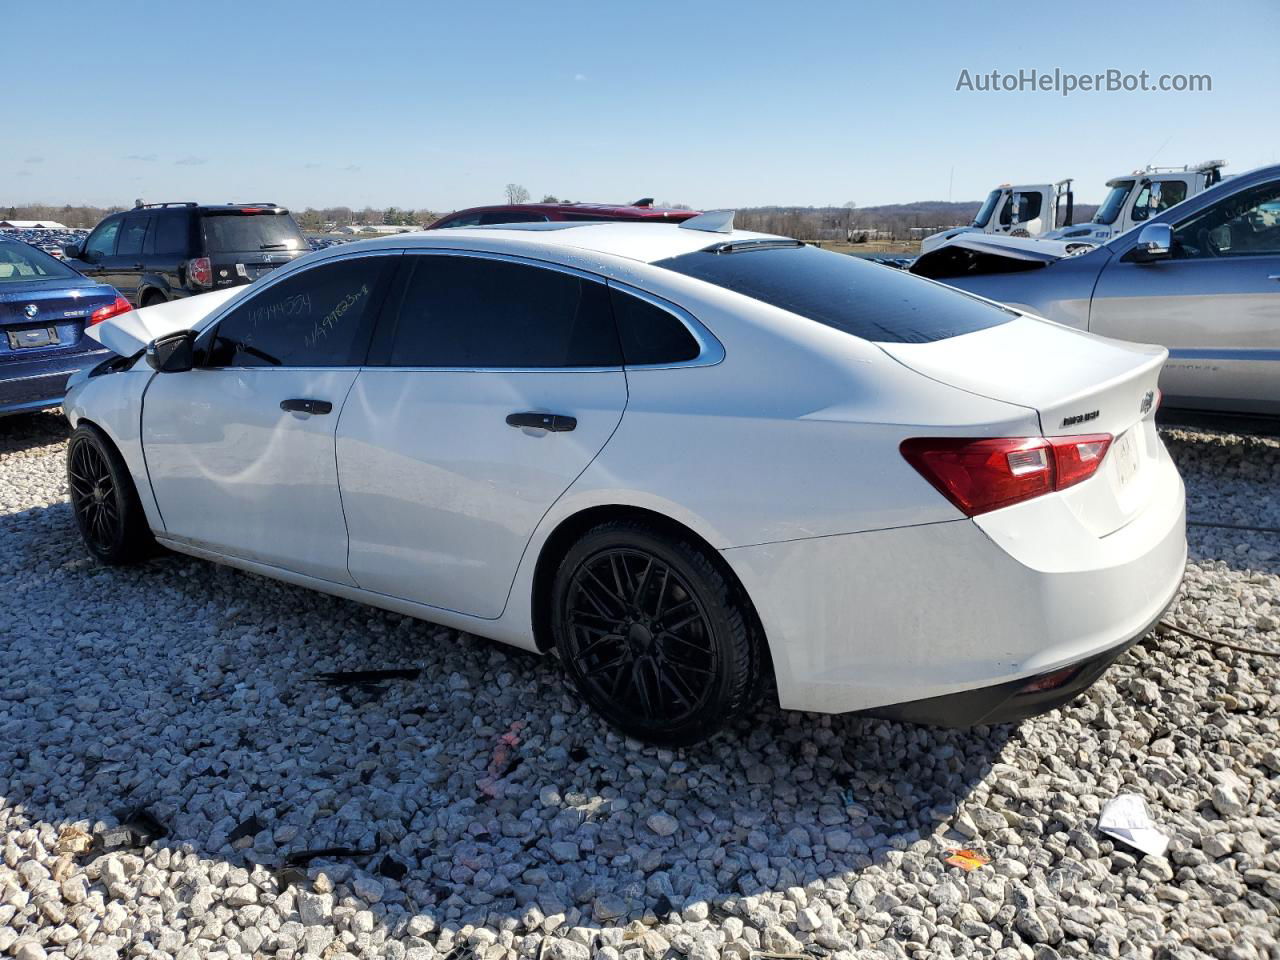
{"x":682,"y":458}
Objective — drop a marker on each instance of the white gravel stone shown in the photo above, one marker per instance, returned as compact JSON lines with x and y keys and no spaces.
{"x":185,"y":688}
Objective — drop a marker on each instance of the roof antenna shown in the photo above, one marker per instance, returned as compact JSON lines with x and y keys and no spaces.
{"x":714,"y":221}
{"x":644,"y":202}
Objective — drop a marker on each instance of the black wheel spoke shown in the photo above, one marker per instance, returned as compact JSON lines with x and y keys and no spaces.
{"x":638,"y":638}
{"x":93,"y":495}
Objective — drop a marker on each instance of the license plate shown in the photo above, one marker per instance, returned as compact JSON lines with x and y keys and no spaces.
{"x":32,"y":337}
{"x":1126,"y":457}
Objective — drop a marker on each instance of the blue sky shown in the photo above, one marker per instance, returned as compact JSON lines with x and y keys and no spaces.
{"x":712,"y":104}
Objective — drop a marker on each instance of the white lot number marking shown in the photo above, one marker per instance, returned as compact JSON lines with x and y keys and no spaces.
{"x":1126,"y":454}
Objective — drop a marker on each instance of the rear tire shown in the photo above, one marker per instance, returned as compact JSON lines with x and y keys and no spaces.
{"x":104,"y":500}
{"x":653,"y":633}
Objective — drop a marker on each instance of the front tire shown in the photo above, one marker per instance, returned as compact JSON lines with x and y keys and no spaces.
{"x":653,"y":633}
{"x":103,"y":498}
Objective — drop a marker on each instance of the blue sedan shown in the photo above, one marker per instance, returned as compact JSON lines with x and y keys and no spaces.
{"x":45,"y":307}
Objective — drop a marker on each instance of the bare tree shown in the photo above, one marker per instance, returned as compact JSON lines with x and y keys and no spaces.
{"x":517,"y":193}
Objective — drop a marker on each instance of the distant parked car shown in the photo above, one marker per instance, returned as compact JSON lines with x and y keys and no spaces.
{"x":44,"y":309}
{"x":1201,"y":278}
{"x":685,"y":457}
{"x":642,"y":210}
{"x":163,"y":251}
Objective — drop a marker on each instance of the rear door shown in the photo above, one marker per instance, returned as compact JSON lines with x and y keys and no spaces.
{"x":1215,"y":304}
{"x":493,"y":384}
{"x":245,"y":243}
{"x":240,"y":450}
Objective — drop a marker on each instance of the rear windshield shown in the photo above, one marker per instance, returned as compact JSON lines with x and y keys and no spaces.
{"x":868,"y":300}
{"x":249,"y":233}
{"x":20,"y":263}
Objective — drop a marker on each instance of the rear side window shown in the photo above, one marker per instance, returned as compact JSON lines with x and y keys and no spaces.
{"x":168,"y":235}
{"x":457,"y":311}
{"x":133,"y":235}
{"x":650,"y":334}
{"x":320,"y":317}
{"x":508,"y":216}
{"x":868,"y":300}
{"x":250,"y":233}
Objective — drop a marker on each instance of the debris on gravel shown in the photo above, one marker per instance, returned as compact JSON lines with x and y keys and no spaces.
{"x":301,"y":822}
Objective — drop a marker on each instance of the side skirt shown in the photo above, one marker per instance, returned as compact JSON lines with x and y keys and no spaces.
{"x":492,"y":629}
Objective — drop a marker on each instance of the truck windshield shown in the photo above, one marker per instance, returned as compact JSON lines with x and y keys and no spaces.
{"x":1111,"y":206}
{"x":988,"y":208}
{"x":248,"y":233}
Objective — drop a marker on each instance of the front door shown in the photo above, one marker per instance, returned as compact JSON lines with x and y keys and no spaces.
{"x":1215,"y":304}
{"x":240,"y":450}
{"x":123,"y":269}
{"x":492,"y":385}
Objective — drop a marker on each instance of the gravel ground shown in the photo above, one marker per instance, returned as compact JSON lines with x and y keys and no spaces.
{"x":507,"y":822}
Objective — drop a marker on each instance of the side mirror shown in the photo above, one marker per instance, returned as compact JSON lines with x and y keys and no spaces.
{"x":1155,"y":242}
{"x":172,"y":353}
{"x":72,"y":251}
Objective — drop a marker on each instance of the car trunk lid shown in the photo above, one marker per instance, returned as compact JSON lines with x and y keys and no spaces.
{"x":40,"y":317}
{"x":1079,"y":385}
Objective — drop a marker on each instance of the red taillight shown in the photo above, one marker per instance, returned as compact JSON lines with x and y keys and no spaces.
{"x":116,"y":307}
{"x":200,"y":272}
{"x":979,"y":475}
{"x":1077,"y":458}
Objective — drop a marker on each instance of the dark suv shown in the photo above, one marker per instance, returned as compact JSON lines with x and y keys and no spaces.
{"x":162,"y":251}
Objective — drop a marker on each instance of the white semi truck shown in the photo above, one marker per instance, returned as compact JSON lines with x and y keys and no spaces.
{"x":1138,"y":196}
{"x":1027,"y":210}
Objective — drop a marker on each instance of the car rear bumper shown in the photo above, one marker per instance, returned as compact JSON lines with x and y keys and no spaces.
{"x":917,"y":614}
{"x":38,"y":383}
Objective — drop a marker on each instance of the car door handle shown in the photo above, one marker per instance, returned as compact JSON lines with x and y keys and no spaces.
{"x":555,"y":422}
{"x":1274,"y":276}
{"x":300,"y":405}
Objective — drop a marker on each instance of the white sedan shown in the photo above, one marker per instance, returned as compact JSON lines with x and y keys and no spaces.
{"x":685,"y":458}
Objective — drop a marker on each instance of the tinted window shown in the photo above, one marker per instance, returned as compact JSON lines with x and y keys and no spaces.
{"x":102,"y":242}
{"x":132,"y":236}
{"x":466,"y":220}
{"x":507,"y":216}
{"x":168,"y":234}
{"x":1246,"y":224}
{"x":317,"y":318}
{"x":650,"y":334}
{"x":249,"y":233}
{"x":20,"y":263}
{"x":475,"y":312}
{"x":865,"y":299}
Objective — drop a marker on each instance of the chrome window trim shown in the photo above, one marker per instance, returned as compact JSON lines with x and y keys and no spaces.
{"x":710,"y":350}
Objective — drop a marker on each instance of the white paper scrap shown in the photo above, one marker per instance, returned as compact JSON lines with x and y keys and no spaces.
{"x":1126,"y":818}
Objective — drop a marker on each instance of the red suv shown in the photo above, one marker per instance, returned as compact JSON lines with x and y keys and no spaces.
{"x":642,"y":210}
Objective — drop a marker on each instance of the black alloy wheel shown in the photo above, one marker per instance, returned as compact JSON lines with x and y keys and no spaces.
{"x":653,"y":634}
{"x":104,"y":500}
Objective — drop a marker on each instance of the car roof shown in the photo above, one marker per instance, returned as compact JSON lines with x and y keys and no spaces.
{"x":604,"y":209}
{"x":644,"y":242}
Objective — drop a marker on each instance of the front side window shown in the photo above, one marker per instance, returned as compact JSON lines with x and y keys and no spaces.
{"x":464,"y":220}
{"x":102,"y":242}
{"x":1114,"y":202}
{"x":1156,"y":197}
{"x":133,"y":235}
{"x":864,"y":299}
{"x":477,"y":312}
{"x":1246,"y":224}
{"x":1028,"y":205}
{"x":319,"y":317}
